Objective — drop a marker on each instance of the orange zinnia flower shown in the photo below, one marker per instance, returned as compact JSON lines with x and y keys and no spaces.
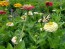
{"x":4,"y":3}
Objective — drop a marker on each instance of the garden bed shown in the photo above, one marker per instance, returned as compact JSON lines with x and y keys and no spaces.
{"x":32,"y":24}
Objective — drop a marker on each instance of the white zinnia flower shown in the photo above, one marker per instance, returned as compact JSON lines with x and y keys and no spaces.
{"x":14,"y":40}
{"x":50,"y":27}
{"x":30,"y":13}
{"x":36,"y":13}
{"x":23,"y":17}
{"x":9,"y":24}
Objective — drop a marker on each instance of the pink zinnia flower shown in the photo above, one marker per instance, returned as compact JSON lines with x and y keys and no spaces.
{"x":28,"y":7}
{"x":49,"y":3}
{"x":2,"y":12}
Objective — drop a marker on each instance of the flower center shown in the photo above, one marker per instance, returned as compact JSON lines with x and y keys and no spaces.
{"x":50,"y":23}
{"x":9,"y":23}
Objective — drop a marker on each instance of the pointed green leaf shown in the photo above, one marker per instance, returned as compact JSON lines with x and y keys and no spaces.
{"x":9,"y":46}
{"x":21,"y":45}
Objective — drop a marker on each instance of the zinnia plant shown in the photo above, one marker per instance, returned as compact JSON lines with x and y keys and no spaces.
{"x":2,"y":12}
{"x":28,"y":7}
{"x":49,"y":3}
{"x":32,"y":27}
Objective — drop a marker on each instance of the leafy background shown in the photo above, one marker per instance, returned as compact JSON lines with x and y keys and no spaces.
{"x":29,"y":31}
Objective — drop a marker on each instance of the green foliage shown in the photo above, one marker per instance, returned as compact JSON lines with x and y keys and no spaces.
{"x":2,"y":47}
{"x":21,"y":45}
{"x":9,"y":46}
{"x":28,"y":33}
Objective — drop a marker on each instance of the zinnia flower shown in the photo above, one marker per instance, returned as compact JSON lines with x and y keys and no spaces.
{"x":9,"y":24}
{"x":14,"y":40}
{"x":28,"y":7}
{"x":49,"y":3}
{"x":4,"y":3}
{"x":23,"y":17}
{"x":51,"y":27}
{"x":2,"y":12}
{"x":36,"y":12}
{"x":30,"y":13}
{"x":18,"y":5}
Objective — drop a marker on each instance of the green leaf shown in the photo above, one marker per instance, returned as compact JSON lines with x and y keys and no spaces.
{"x":54,"y":42}
{"x":2,"y":47}
{"x":9,"y":46}
{"x":32,"y":47}
{"x":21,"y":45}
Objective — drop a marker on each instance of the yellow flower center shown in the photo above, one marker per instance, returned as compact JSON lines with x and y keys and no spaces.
{"x":9,"y":23}
{"x":50,"y":23}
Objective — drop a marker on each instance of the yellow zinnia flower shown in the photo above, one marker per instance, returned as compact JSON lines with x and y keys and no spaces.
{"x":17,"y":5}
{"x":4,"y":3}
